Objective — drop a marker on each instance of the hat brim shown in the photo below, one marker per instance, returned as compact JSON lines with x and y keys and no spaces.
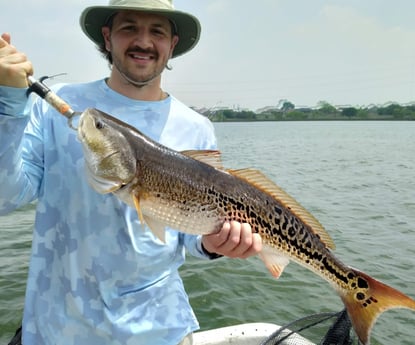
{"x":188,"y":27}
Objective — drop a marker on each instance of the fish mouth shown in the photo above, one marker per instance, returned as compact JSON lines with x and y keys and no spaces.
{"x":80,"y":130}
{"x":101,"y":184}
{"x":110,"y":155}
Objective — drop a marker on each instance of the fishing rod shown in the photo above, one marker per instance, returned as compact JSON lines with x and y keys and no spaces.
{"x":38,"y":87}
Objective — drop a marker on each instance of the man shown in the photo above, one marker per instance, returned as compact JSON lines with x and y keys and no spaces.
{"x":95,"y":277}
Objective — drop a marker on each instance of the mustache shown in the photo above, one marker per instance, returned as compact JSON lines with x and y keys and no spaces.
{"x":138,"y":49}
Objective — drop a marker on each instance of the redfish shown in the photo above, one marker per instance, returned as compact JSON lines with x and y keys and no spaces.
{"x":190,"y":191}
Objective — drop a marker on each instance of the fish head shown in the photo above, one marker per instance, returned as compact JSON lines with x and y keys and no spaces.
{"x":109,"y":158}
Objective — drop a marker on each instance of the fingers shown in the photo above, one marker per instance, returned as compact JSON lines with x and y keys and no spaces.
{"x":238,"y":241}
{"x":5,"y":38}
{"x":235,"y":240}
{"x":14,"y":65}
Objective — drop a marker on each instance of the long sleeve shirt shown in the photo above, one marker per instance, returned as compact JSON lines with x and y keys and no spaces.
{"x":95,"y":276}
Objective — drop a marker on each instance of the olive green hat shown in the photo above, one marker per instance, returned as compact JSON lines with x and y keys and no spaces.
{"x":186,"y":25}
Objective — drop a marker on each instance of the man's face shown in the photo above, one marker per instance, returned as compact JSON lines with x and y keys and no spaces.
{"x":140,"y":44}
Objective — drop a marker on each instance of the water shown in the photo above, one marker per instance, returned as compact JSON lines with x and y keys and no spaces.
{"x":357,"y":178}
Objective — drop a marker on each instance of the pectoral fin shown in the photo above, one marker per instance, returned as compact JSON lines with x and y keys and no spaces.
{"x":136,"y":200}
{"x":156,"y":227}
{"x":273,"y":261}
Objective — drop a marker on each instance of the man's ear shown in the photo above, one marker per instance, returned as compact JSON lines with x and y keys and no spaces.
{"x":106,"y":34}
{"x":173,"y":44}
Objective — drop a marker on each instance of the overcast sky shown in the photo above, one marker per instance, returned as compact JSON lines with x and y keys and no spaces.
{"x":252,"y":53}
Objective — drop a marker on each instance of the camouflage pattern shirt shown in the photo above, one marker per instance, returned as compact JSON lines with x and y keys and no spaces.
{"x":95,"y":277}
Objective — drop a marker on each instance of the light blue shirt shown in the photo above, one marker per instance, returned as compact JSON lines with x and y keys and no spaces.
{"x":95,"y":276}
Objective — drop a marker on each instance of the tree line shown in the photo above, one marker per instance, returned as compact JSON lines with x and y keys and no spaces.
{"x":324,"y":111}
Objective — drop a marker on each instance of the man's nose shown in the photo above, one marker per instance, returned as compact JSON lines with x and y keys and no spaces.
{"x":143,"y":39}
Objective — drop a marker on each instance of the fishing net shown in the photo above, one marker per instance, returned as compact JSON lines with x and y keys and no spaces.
{"x":17,"y":339}
{"x":329,"y":332}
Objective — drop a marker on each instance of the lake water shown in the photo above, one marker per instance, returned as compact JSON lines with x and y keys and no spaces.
{"x":357,"y":178}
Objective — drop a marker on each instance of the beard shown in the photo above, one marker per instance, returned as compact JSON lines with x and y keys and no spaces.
{"x":135,"y":77}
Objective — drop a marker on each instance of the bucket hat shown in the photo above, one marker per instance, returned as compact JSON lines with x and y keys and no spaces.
{"x":187,"y":26}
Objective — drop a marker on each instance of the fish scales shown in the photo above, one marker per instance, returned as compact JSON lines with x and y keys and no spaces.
{"x":232,"y":200}
{"x":191,"y":192}
{"x":174,"y":198}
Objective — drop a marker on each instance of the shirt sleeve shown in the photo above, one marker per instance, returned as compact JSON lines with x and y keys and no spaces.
{"x":18,"y":175}
{"x":193,"y":244}
{"x":13,"y":101}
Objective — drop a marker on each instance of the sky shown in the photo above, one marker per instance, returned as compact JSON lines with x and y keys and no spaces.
{"x":251,"y":54}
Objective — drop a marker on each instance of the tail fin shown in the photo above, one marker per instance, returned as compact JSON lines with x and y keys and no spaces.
{"x":367,"y":299}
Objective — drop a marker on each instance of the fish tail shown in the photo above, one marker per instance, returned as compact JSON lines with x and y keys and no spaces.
{"x":367,"y":299}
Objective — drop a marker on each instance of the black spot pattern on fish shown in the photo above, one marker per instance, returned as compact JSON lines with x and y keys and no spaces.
{"x":282,"y":230}
{"x":362,"y":283}
{"x":369,"y":301}
{"x":360,"y":296}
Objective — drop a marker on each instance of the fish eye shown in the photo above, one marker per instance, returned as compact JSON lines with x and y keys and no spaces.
{"x":99,"y":124}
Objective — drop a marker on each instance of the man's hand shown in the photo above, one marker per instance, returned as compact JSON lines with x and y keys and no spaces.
{"x":235,"y":240}
{"x":14,"y":65}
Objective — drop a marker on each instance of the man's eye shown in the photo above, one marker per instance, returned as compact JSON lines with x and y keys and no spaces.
{"x":128,"y":28}
{"x":158,"y":32}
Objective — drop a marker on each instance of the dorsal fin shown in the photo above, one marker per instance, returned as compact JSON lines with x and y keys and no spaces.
{"x":211,"y":157}
{"x":260,"y":181}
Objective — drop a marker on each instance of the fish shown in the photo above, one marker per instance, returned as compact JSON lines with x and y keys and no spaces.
{"x":192,"y":192}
